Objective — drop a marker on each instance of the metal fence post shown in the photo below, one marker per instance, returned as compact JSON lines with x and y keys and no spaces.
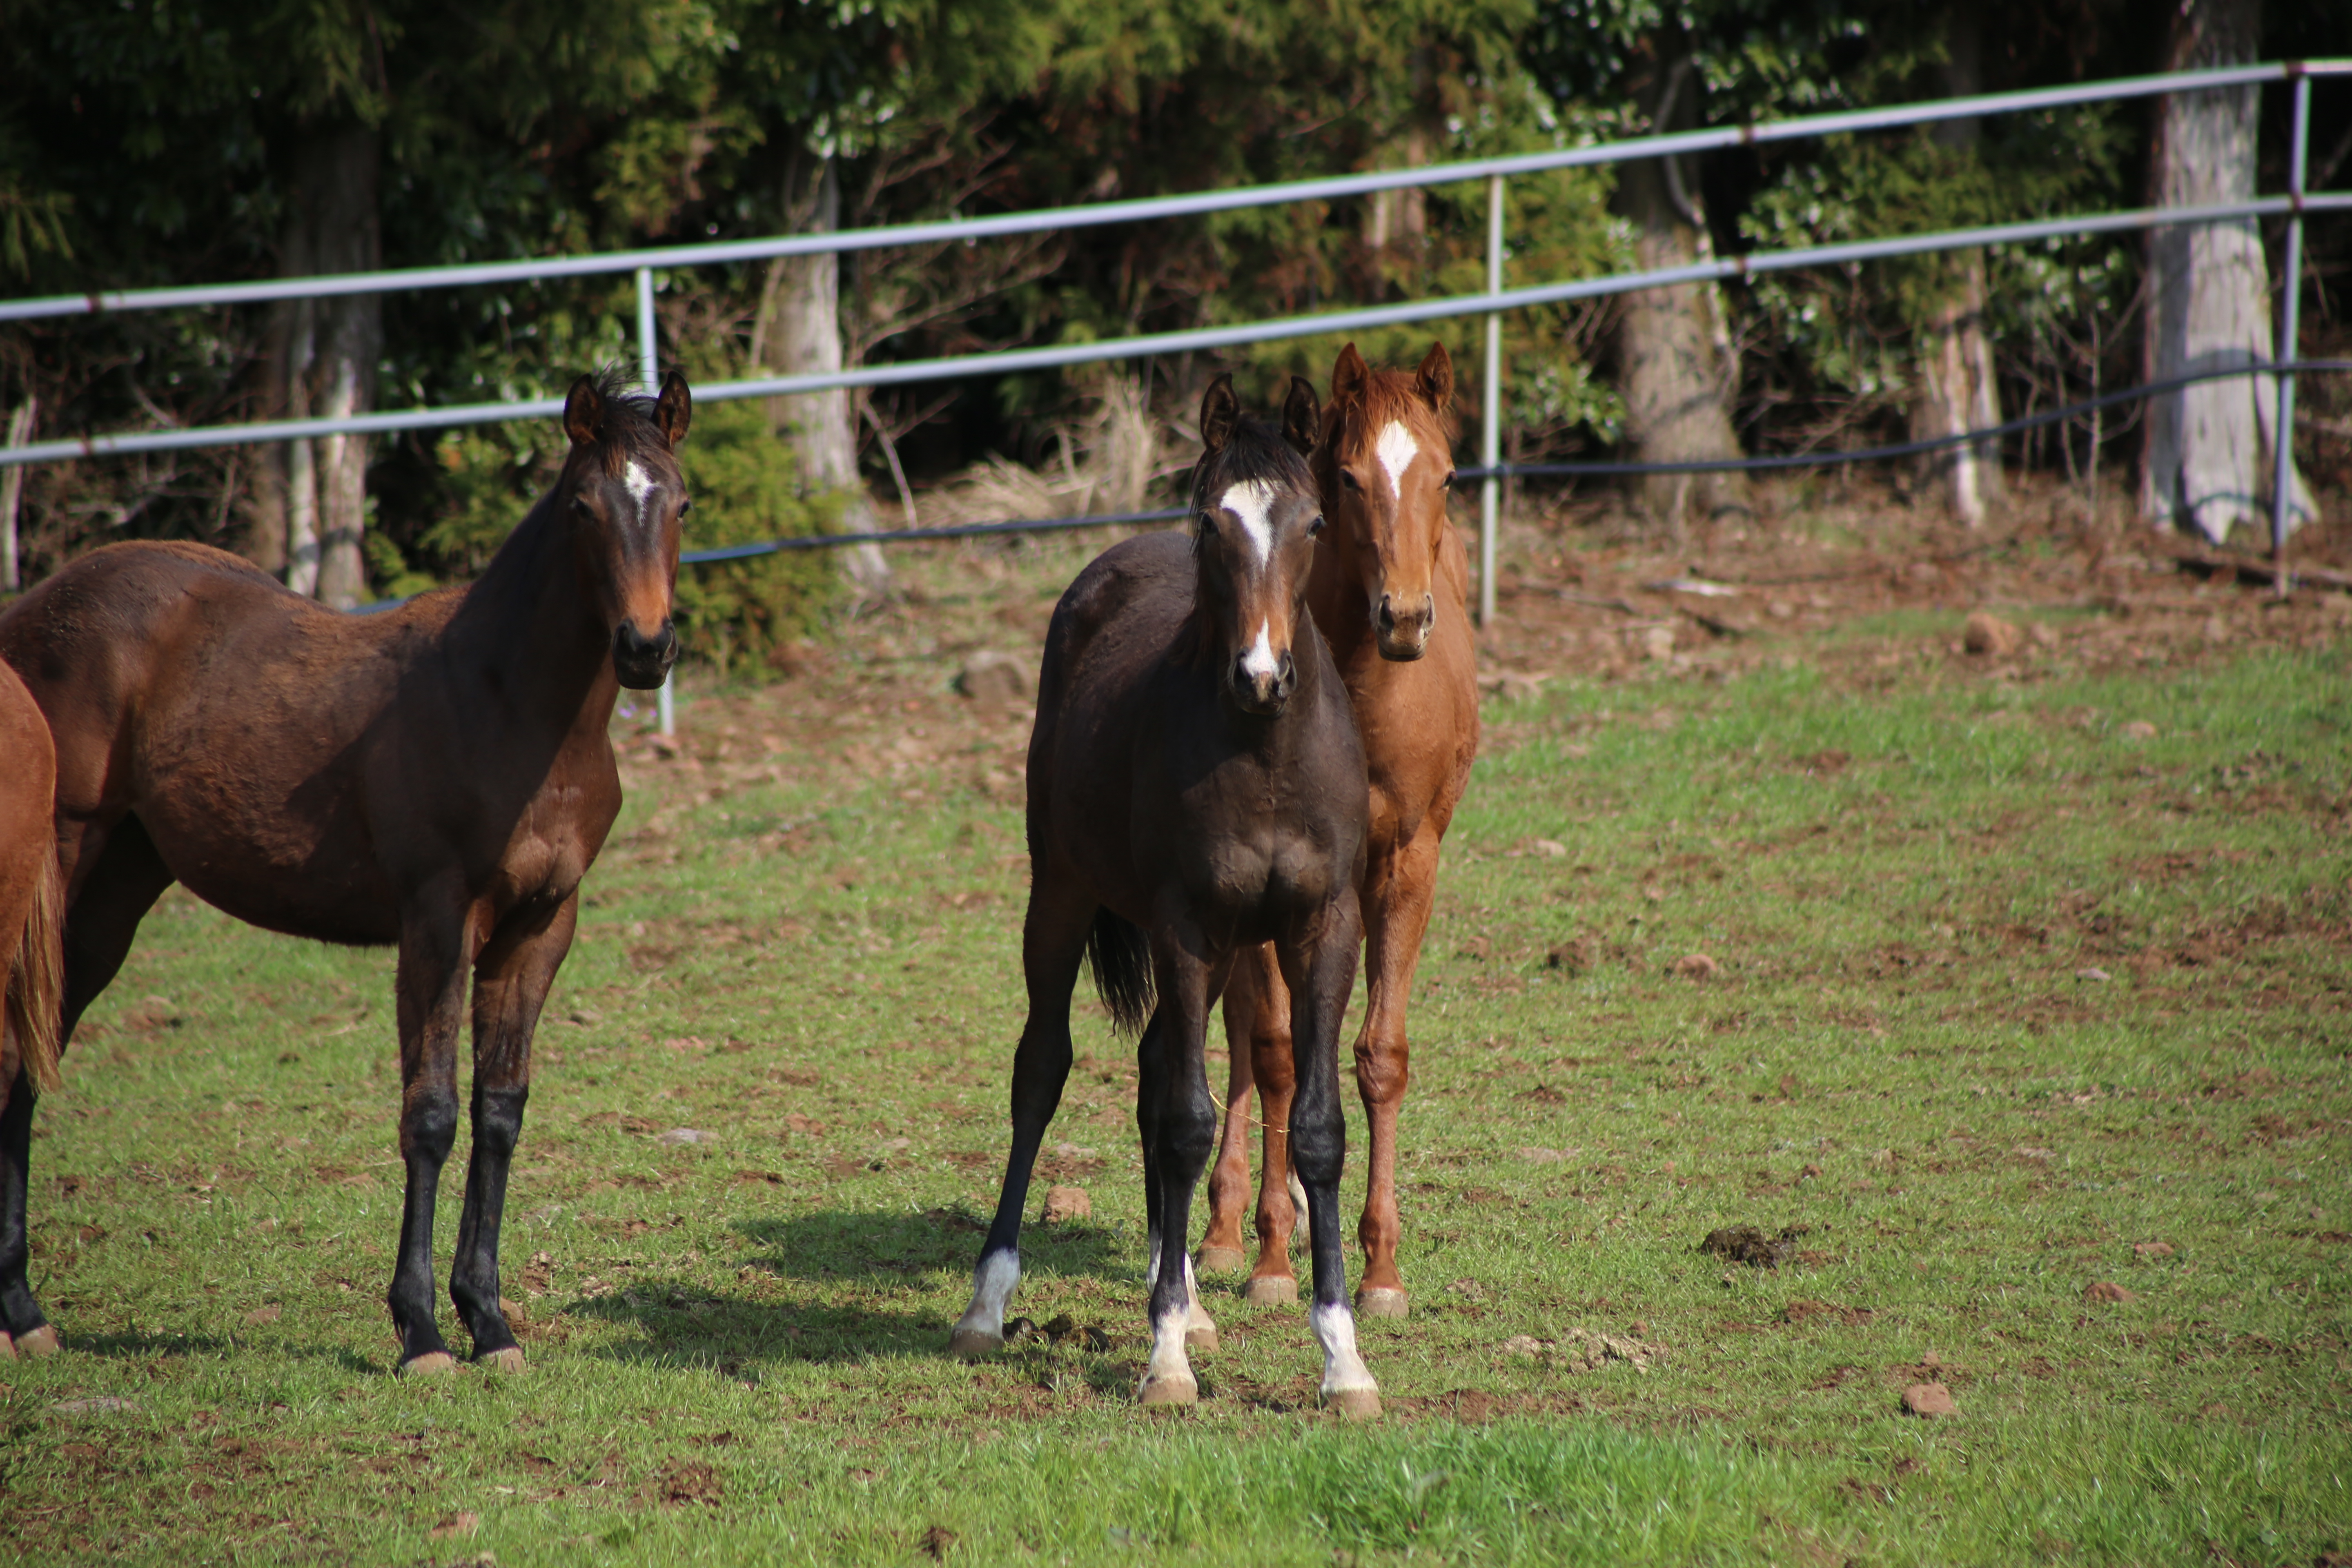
{"x":1490,"y":420}
{"x":649,"y":369}
{"x":2291,"y":280}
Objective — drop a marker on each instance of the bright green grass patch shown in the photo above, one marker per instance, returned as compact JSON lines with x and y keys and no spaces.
{"x":737,"y":1342}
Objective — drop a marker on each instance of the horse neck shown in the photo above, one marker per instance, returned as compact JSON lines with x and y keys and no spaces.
{"x":528,"y":631}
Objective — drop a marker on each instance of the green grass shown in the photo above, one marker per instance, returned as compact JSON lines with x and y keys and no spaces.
{"x":736,"y":1344}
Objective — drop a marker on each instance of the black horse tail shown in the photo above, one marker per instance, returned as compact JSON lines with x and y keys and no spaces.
{"x":1120,"y":956}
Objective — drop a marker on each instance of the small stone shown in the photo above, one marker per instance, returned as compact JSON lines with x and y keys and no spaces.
{"x":2098,"y":976}
{"x":996,"y":680}
{"x":1065,"y":1203}
{"x":680,"y":1137}
{"x":1525,"y":1344}
{"x":261,"y":1316}
{"x":1929,"y":1400}
{"x":1549,"y":848}
{"x":1697,"y":966}
{"x":1988,"y":634}
{"x":2151,"y":1250}
{"x":2106,"y":1290}
{"x":2137,"y":729}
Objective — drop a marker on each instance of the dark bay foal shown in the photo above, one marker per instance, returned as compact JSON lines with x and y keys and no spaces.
{"x":436,"y":776}
{"x":1196,"y":788}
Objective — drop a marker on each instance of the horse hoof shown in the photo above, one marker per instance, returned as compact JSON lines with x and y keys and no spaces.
{"x":41,"y":1341}
{"x":1382,"y":1304}
{"x":1354,"y":1403}
{"x":1201,"y":1339}
{"x":432,"y":1363}
{"x":508,"y":1359}
{"x":1271,"y":1290}
{"x":973,"y":1343}
{"x":1221,"y":1259}
{"x":1169,"y":1391}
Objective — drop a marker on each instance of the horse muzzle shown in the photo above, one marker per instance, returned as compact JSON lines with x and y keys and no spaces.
{"x":1403,"y":635}
{"x":640,"y":661}
{"x":1261,"y":686}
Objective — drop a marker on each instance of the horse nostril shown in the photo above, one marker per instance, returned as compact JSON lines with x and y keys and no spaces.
{"x":1387,"y":615}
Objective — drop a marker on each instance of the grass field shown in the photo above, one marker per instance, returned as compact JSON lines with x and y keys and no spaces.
{"x":2012,"y":978}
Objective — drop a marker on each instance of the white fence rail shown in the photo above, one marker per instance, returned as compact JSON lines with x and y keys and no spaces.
{"x":1495,"y":299}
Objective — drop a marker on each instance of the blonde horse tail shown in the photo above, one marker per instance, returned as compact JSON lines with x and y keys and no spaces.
{"x":36,"y":972}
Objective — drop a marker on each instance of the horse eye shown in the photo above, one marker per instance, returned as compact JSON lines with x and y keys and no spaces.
{"x":1209,"y":524}
{"x":1315,"y":528}
{"x":580,"y":504}
{"x":1447,"y":483}
{"x":1348,"y":480}
{"x":684,"y":505}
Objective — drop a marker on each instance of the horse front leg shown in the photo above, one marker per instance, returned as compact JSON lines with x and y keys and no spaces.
{"x":436,"y":949}
{"x":1396,"y":918}
{"x":1321,"y":970}
{"x":1183,"y":1129}
{"x":510,"y":984}
{"x":1053,"y":942}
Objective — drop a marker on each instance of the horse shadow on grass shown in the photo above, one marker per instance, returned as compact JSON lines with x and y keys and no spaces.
{"x":817,"y":1255}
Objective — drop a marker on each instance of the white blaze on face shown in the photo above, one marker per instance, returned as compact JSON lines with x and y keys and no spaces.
{"x":1260,"y":660}
{"x":1251,"y":501}
{"x":1396,"y":450}
{"x":641,"y":484}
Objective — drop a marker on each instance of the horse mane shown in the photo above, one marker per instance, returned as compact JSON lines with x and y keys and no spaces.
{"x":629,"y":428}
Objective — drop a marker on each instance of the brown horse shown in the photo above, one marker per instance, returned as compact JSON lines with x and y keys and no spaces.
{"x":32,"y":908}
{"x":1389,"y":593}
{"x":436,"y":776}
{"x":1195,"y":790}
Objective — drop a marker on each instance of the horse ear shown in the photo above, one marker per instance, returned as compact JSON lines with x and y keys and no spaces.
{"x":1436,"y":377}
{"x":1302,"y":417}
{"x":1348,"y":376}
{"x":583,"y":412}
{"x":674,"y":410}
{"x":1220,"y":411}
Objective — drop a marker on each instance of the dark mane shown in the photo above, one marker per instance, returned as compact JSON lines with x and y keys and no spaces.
{"x":1256,"y":450}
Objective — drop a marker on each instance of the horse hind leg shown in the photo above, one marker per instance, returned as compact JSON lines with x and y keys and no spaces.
{"x":1395,"y":921}
{"x":125,"y":879}
{"x":1281,"y":1202}
{"x":1221,"y":1247}
{"x":1053,"y":940}
{"x":1183,"y":1130}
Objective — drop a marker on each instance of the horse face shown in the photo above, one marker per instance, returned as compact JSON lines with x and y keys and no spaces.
{"x":1254,"y":536}
{"x":1388,"y":475}
{"x":628,"y":498}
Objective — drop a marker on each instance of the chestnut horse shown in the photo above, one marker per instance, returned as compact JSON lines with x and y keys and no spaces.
{"x":436,"y":776}
{"x":1389,"y":593}
{"x":32,"y":907}
{"x":1195,"y":790}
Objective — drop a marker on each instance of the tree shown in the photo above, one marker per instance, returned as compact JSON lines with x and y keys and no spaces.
{"x":1959,"y":384}
{"x":2210,"y":452}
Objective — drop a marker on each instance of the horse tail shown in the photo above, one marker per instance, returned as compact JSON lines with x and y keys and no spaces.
{"x":1120,"y":956}
{"x":36,"y":978}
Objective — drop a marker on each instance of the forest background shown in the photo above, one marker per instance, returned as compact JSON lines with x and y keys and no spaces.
{"x":153,"y":142}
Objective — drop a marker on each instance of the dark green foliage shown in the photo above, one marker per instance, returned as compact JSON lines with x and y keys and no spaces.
{"x":735,"y":613}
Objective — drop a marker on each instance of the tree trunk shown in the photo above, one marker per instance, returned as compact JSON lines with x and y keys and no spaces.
{"x":1674,"y":352}
{"x":799,"y":334}
{"x":1958,"y":391}
{"x":2211,"y":447}
{"x":11,"y":490}
{"x":309,"y":503}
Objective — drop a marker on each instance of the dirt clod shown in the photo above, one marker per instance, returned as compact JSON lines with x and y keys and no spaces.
{"x":2106,"y":1290}
{"x":936,"y":1542}
{"x":1697,"y":966}
{"x":456,"y":1526}
{"x":995,"y":681}
{"x":1929,"y":1400}
{"x":1746,"y":1243}
{"x":1575,"y":956}
{"x":2149,"y":1251}
{"x":1065,"y":1203}
{"x":1582,"y":1349}
{"x":1988,"y":634}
